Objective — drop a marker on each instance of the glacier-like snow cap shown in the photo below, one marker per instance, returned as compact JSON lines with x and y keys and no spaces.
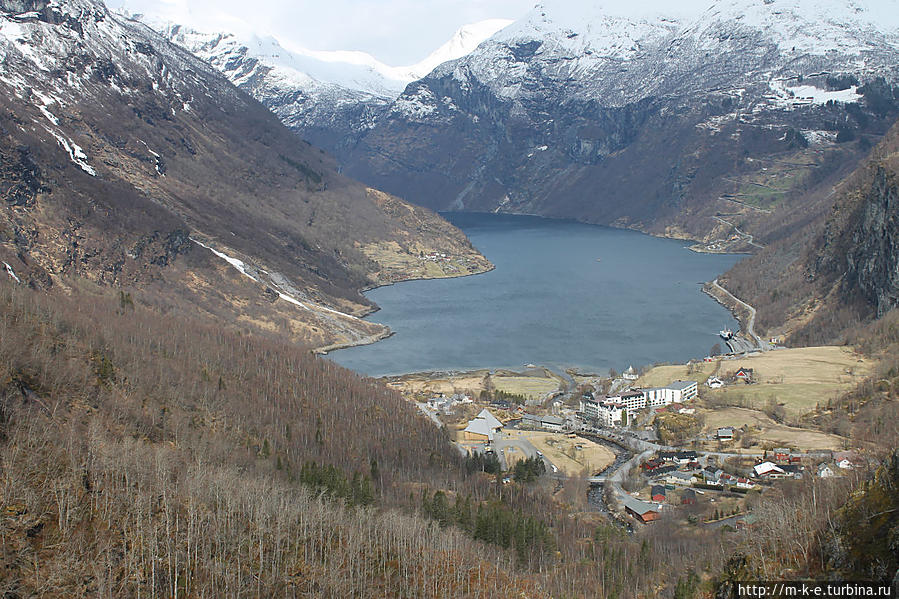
{"x":884,"y":14}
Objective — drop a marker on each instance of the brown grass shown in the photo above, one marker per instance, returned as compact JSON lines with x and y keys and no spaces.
{"x":575,"y":456}
{"x":768,"y":432}
{"x":798,"y":378}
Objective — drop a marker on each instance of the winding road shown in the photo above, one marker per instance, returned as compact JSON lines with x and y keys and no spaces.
{"x":750,"y":324}
{"x":749,"y":238}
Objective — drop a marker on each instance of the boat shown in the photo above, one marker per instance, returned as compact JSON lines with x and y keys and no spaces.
{"x":726,"y":334}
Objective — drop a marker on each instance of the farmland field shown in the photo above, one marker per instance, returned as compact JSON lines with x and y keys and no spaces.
{"x":768,"y":432}
{"x":798,"y":378}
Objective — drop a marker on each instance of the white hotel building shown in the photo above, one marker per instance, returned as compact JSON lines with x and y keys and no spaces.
{"x":610,"y":410}
{"x":678,"y":391}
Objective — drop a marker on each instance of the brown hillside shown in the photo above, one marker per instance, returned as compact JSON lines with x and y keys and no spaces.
{"x":837,"y":270}
{"x":117,"y":149}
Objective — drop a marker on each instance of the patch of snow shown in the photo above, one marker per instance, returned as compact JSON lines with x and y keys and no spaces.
{"x":352,"y":71}
{"x":49,"y":115}
{"x":76,"y":154}
{"x":819,"y":138}
{"x":464,"y":40}
{"x":11,"y":272}
{"x":18,"y":36}
{"x":417,"y":105}
{"x":236,"y":263}
{"x":241,"y":267}
{"x":809,"y":94}
{"x":156,"y":156}
{"x":715,"y":123}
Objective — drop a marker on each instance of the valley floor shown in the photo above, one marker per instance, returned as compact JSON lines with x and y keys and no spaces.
{"x":773,"y":410}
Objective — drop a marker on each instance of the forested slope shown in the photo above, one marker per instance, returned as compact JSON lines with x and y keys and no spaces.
{"x":158,"y":456}
{"x":153,"y":457}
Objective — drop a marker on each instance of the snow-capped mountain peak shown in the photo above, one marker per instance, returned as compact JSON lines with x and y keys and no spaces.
{"x":353,"y":70}
{"x":332,"y":96}
{"x":464,"y":40}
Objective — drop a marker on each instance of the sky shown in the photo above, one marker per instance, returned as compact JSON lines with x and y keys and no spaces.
{"x":396,"y":32}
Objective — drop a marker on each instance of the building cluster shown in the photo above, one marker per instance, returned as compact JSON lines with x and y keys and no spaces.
{"x":620,"y":409}
{"x":445,"y":404}
{"x":434,"y":257}
{"x":682,"y":469}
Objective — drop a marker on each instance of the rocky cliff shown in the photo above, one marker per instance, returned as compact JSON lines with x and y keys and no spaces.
{"x":872,"y":259}
{"x":839,"y":269}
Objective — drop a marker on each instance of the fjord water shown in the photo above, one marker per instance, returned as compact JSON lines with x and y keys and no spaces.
{"x":563,"y":294}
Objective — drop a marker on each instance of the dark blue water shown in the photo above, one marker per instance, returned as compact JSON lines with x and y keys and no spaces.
{"x":550,"y":302}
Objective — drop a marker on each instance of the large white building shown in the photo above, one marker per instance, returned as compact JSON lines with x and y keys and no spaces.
{"x":632,"y":400}
{"x":609,"y":410}
{"x":590,"y":407}
{"x":676,"y":392}
{"x":611,"y":413}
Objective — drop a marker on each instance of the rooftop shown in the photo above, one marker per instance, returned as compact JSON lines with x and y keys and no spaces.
{"x":479,"y":426}
{"x":490,"y":418}
{"x":681,"y":385}
{"x":639,"y":507}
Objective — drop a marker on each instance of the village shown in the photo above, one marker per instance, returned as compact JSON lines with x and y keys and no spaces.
{"x":675,"y":448}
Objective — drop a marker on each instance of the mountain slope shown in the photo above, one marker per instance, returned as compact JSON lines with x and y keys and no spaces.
{"x":658,"y":119}
{"x":839,"y":270}
{"x":126,"y":160}
{"x":164,"y":457}
{"x":330,"y":98}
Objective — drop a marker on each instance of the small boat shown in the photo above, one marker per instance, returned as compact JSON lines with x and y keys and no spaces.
{"x":726,"y":334}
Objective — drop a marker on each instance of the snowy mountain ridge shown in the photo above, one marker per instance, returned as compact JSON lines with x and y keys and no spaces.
{"x":331,"y":97}
{"x":601,"y":49}
{"x":647,"y":101}
{"x":353,"y":71}
{"x":642,"y":101}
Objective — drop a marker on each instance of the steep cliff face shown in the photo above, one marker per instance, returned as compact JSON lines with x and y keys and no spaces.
{"x":873,"y":257}
{"x":840,"y":269}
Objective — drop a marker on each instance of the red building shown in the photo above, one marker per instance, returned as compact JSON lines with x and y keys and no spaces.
{"x":781,"y":454}
{"x":641,"y":510}
{"x":658,"y":493}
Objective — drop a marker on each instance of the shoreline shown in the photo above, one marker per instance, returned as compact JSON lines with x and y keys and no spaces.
{"x":326,"y":349}
{"x":741,"y":311}
{"x":696,"y":243}
{"x":372,"y":339}
{"x":392,"y":283}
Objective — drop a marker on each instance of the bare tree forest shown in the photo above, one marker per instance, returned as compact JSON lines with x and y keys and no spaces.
{"x":147,"y":455}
